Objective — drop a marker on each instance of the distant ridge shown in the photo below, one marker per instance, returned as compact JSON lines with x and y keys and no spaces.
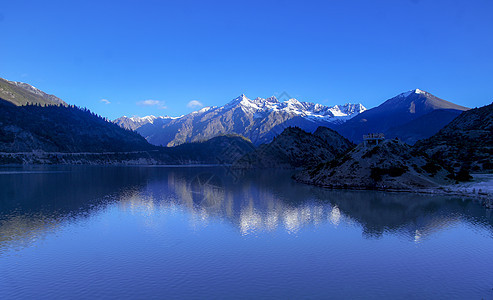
{"x":20,"y":93}
{"x":133,"y":123}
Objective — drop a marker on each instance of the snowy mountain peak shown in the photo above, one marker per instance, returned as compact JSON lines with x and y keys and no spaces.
{"x":237,"y":100}
{"x":415,"y":91}
{"x":294,"y":107}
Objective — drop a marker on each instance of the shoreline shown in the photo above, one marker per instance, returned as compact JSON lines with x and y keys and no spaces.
{"x":481,"y":191}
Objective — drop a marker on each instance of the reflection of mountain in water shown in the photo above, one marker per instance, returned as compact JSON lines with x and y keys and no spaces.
{"x":269,"y":200}
{"x":33,"y":204}
{"x":37,"y":200}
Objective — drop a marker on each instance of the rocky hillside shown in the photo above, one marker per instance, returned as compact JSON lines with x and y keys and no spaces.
{"x":20,"y":93}
{"x":295,"y":148}
{"x":403,"y":116}
{"x":390,"y":165}
{"x":466,"y":141}
{"x":259,"y":120}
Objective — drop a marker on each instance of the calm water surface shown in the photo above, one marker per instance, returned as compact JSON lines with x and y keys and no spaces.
{"x":153,"y":232}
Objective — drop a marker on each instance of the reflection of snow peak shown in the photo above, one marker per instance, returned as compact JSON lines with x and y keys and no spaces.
{"x":291,"y":218}
{"x":335,"y":216}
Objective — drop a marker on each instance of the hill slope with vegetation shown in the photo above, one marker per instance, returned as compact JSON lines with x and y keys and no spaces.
{"x":62,"y":129}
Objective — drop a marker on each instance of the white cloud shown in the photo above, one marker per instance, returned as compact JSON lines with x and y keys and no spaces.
{"x":150,"y":102}
{"x":194,"y":104}
{"x":105,"y":101}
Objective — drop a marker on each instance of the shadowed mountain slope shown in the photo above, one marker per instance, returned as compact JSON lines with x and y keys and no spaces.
{"x":392,"y":116}
{"x":218,"y":150}
{"x":424,"y":126}
{"x":466,"y":141}
{"x":295,"y":148}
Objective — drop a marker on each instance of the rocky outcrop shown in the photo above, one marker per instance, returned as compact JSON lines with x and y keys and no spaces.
{"x":391,"y":165}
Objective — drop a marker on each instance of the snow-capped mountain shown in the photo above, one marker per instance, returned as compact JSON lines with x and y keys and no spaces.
{"x":335,"y":113}
{"x":410,"y":116}
{"x":259,"y":119}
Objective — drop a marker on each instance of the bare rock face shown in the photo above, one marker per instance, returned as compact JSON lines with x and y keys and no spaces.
{"x":390,"y":165}
{"x":295,"y":148}
{"x":467,"y":141}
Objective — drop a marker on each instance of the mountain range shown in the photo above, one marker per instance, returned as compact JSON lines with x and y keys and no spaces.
{"x":259,"y":120}
{"x":409,"y":116}
{"x":32,"y":121}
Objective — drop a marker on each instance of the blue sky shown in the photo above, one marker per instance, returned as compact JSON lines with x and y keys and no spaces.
{"x":154,"y":57}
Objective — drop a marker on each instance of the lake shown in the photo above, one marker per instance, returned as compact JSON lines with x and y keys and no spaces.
{"x":206,"y":232}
